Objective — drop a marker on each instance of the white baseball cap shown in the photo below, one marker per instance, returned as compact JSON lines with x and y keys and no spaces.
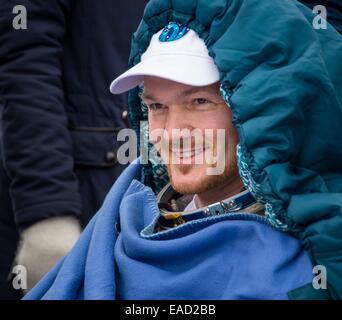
{"x":175,"y":53}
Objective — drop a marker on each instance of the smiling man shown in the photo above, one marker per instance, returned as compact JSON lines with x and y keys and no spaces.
{"x":178,"y":108}
{"x":181,"y":91}
{"x":174,"y":228}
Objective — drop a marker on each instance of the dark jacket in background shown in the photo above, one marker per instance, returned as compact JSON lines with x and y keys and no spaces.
{"x":58,"y":118}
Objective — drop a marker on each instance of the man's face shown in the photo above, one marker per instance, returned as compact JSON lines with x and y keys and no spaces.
{"x":175,"y":110}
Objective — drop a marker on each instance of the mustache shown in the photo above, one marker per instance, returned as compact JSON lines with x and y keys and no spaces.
{"x":202,"y":146}
{"x":183,"y":139}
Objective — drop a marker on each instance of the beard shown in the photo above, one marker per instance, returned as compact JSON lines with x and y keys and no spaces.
{"x":205,"y":183}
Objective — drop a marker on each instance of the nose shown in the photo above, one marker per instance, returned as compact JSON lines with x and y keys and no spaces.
{"x":175,"y":125}
{"x":178,"y":118}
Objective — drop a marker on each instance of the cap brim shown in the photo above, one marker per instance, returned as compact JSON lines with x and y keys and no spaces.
{"x":192,"y":70}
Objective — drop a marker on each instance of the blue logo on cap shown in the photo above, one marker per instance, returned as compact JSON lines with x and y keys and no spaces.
{"x":173,"y":31}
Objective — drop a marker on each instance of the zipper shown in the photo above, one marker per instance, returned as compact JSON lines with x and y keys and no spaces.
{"x":195,"y":225}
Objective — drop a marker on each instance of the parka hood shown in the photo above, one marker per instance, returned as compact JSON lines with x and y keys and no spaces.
{"x":282,"y":80}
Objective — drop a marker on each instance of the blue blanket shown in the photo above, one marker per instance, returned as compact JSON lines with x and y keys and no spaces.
{"x":239,"y":256}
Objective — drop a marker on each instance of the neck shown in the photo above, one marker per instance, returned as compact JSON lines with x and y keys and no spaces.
{"x":230,"y":188}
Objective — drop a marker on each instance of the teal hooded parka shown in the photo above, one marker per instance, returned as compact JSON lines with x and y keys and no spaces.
{"x":282,"y":79}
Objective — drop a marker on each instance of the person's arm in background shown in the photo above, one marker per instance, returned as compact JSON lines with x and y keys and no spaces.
{"x":37,"y":151}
